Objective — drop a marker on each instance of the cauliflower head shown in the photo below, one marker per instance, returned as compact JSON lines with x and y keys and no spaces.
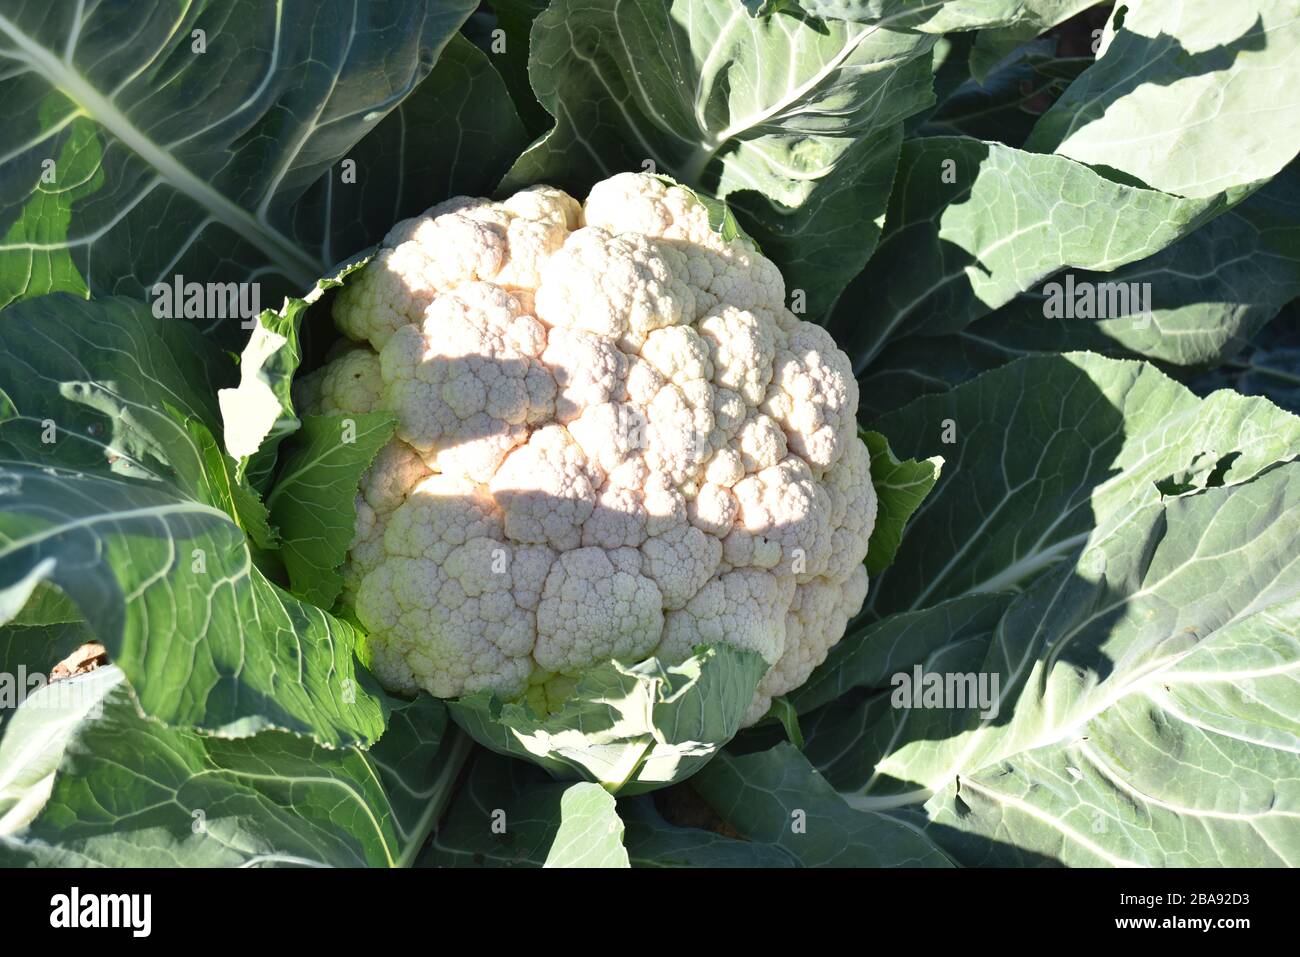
{"x":614,"y":441}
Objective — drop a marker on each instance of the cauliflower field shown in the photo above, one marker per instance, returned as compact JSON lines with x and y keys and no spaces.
{"x":613,"y":441}
{"x":648,"y":433}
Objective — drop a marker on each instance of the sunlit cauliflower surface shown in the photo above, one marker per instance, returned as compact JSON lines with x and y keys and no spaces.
{"x":614,"y":441}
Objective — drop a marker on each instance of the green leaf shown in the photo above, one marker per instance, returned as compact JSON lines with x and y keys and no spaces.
{"x":36,"y":738}
{"x":785,"y":713}
{"x":313,"y":500}
{"x":653,"y":842}
{"x":946,"y":16}
{"x":1193,"y":98}
{"x":630,"y":729}
{"x":590,"y":832}
{"x":154,"y":177}
{"x":973,"y":224}
{"x":1145,"y":710}
{"x":406,"y":165}
{"x":1006,"y":105}
{"x":37,"y":649}
{"x":130,"y":791}
{"x":776,"y":797}
{"x":229,"y":491}
{"x":869,"y":655}
{"x":509,"y":814}
{"x":804,"y":156}
{"x":516,"y":17}
{"x":1269,"y":367}
{"x":992,"y":45}
{"x":1043,"y":451}
{"x":258,"y":413}
{"x":1210,"y":292}
{"x":506,"y":814}
{"x":46,"y":606}
{"x":121,"y":512}
{"x":27,"y":655}
{"x":455,"y":134}
{"x":900,"y":487}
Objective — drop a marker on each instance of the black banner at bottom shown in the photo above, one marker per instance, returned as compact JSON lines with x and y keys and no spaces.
{"x":239,"y":908}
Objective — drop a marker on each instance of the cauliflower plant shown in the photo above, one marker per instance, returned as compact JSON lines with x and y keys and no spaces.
{"x":614,"y":440}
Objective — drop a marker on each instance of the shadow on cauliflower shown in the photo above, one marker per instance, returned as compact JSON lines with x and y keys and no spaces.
{"x":614,"y":441}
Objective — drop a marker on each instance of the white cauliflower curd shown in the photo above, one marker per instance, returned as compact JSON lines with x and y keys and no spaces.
{"x":614,"y":441}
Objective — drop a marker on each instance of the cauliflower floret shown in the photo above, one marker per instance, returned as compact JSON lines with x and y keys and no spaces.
{"x":395,"y":472}
{"x":813,"y":625}
{"x":761,"y":441}
{"x":680,"y":561}
{"x":743,"y":346}
{"x":351,"y":383}
{"x":679,"y":354}
{"x":439,"y":514}
{"x":620,"y":287}
{"x":722,"y":272}
{"x":853,"y":510}
{"x":545,"y":204}
{"x":592,"y":609}
{"x":613,"y":441}
{"x":468,"y":382}
{"x":394,"y":289}
{"x":451,"y":627}
{"x":460,"y":241}
{"x":714,"y":510}
{"x":545,"y":491}
{"x":588,"y":369}
{"x":784,"y":514}
{"x":745,"y":608}
{"x":813,"y":394}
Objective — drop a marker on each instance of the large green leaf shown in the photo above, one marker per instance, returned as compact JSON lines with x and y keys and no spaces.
{"x":1210,"y":292}
{"x":507,"y":814}
{"x":258,"y":414}
{"x":28,"y":653}
{"x":804,"y":154}
{"x":184,"y":153}
{"x":973,"y":224}
{"x":1006,"y":105}
{"x":987,"y":233}
{"x":1194,"y":98}
{"x":129,"y":791}
{"x":629,"y":728}
{"x":1046,"y":449}
{"x":122,"y":512}
{"x":776,"y":797}
{"x":945,"y":16}
{"x":1146,"y":705}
